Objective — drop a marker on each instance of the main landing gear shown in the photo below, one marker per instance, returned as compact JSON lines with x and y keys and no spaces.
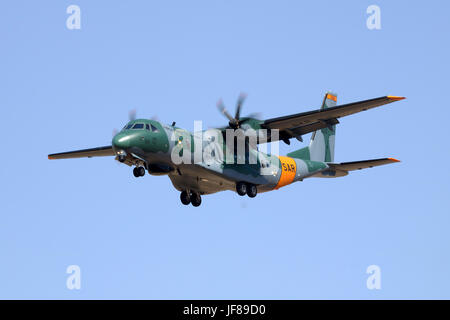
{"x":249,"y":189}
{"x":190,"y":197}
{"x":139,"y":172}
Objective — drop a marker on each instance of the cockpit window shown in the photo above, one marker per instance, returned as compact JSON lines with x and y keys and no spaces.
{"x":138,"y":126}
{"x":154,"y":129}
{"x":147,"y":126}
{"x":128,"y":126}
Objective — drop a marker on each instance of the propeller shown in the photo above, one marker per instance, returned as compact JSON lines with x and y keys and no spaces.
{"x":233,"y":122}
{"x":131,"y":117}
{"x":132,"y":114}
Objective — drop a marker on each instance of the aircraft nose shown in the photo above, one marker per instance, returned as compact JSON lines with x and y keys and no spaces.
{"x":121,"y":141}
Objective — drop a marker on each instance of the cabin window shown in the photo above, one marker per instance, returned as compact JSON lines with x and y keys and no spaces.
{"x":138,"y":126}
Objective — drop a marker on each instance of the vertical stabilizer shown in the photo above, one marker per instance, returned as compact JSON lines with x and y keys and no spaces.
{"x":321,"y":146}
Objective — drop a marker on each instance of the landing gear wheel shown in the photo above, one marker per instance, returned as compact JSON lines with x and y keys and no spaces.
{"x":241,"y":188}
{"x":185,"y":198}
{"x":139,"y":172}
{"x":196,"y":199}
{"x":251,"y":190}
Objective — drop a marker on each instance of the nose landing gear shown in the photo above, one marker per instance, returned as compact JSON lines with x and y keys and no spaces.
{"x":139,"y":172}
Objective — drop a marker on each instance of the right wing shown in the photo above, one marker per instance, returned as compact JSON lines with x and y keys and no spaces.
{"x":89,"y":153}
{"x":299,"y":124}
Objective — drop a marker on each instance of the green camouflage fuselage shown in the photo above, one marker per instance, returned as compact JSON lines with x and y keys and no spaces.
{"x":156,"y":147}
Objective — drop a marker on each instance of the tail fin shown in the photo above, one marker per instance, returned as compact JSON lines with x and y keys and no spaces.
{"x":321,"y":146}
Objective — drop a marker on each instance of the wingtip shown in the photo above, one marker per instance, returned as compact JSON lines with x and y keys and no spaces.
{"x":395,"y":98}
{"x":393,"y":159}
{"x":50,"y":157}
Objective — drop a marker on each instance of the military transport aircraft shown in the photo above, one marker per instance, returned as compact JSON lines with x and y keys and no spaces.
{"x":159,"y":149}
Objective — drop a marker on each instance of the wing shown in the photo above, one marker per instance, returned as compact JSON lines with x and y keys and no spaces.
{"x":89,"y":153}
{"x":358,"y":165}
{"x":299,"y":124}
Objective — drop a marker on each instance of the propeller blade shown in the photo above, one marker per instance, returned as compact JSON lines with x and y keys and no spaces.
{"x":224,"y":111}
{"x":132,"y":114}
{"x":239,"y":103}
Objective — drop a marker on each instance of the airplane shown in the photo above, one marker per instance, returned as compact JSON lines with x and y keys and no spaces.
{"x":150,"y":146}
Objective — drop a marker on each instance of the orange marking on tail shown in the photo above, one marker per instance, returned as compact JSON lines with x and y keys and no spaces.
{"x":288,"y":170}
{"x":331,"y":97}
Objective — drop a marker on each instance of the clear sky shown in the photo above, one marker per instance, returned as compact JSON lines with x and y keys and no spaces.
{"x":67,"y":89}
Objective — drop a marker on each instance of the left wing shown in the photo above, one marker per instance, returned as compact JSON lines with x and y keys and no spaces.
{"x":89,"y":153}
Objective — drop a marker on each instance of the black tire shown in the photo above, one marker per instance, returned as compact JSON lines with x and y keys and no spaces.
{"x":136,"y":173}
{"x":241,"y":188}
{"x":252,"y":191}
{"x":196,"y":199}
{"x":185,"y":198}
{"x":141,"y":171}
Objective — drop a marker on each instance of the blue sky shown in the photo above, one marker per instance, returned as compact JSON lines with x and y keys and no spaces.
{"x":68,"y":89}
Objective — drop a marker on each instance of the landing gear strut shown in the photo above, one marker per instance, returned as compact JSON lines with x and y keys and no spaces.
{"x":139,"y":172}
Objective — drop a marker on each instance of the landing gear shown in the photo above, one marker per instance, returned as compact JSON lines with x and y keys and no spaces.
{"x":196,"y":199}
{"x":249,"y":189}
{"x":139,"y":172}
{"x":185,"y":198}
{"x":121,"y":158}
{"x":241,"y":188}
{"x":252,"y":190}
{"x":190,"y":197}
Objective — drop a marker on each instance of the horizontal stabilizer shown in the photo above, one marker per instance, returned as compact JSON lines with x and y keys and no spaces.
{"x":358,"y":165}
